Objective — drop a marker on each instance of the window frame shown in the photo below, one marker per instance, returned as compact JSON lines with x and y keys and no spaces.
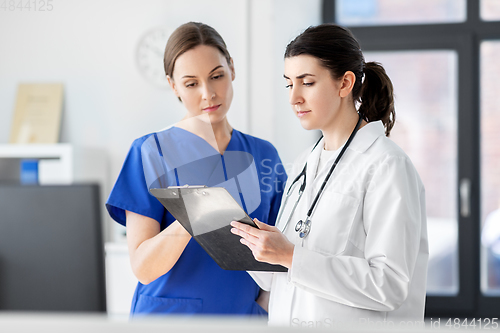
{"x":464,"y":38}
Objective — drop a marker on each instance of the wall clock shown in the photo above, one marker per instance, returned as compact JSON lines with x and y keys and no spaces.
{"x":150,"y":51}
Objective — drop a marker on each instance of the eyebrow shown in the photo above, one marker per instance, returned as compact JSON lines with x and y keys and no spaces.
{"x":301,"y":76}
{"x":192,"y":76}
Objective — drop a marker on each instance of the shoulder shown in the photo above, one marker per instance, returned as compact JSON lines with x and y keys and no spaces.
{"x":151,"y":138}
{"x":256,"y":143}
{"x":371,"y":143}
{"x":385,"y":148}
{"x":253,"y":139}
{"x":389,"y":161}
{"x":137,"y":143}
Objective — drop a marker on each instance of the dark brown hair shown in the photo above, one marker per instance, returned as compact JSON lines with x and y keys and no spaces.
{"x":338,"y":51}
{"x":187,"y":37}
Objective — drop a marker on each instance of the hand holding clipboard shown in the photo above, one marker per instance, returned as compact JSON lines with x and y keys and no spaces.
{"x":206,"y":213}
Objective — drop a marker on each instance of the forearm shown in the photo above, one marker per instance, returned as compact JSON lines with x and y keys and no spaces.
{"x":154,"y":254}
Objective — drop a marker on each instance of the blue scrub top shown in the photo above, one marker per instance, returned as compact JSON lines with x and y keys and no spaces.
{"x":250,"y":169}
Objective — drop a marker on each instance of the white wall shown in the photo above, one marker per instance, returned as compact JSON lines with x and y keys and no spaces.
{"x":90,"y":46}
{"x":273,"y":25}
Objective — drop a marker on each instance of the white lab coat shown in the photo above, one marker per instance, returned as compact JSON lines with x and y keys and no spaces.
{"x":365,"y":259}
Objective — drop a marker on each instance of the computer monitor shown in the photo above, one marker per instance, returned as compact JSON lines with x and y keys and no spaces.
{"x":51,"y":249}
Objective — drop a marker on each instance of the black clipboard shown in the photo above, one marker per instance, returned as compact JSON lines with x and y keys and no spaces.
{"x":206,"y":213}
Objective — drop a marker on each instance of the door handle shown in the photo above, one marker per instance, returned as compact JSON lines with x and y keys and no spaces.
{"x":465,"y":187}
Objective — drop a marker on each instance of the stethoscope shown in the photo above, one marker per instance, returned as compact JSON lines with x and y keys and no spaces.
{"x":303,"y":228}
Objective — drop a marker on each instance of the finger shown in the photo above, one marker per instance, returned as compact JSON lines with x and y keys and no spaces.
{"x":247,"y":243}
{"x":244,"y":235}
{"x":246,"y":228}
{"x":238,"y":225}
{"x":264,"y":226}
{"x":252,"y":248}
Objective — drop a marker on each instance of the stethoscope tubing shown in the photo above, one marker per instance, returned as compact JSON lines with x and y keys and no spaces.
{"x":323,"y":185}
{"x":293,"y":209}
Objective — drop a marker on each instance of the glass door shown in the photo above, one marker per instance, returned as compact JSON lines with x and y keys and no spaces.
{"x":490,"y":168}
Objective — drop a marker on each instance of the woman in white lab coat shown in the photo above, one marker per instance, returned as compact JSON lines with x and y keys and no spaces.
{"x":360,"y":254}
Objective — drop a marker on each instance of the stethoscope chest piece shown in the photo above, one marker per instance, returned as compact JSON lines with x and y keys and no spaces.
{"x":303,"y":228}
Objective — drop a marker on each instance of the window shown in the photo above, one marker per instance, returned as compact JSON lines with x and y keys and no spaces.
{"x":448,"y":125}
{"x":392,"y":12}
{"x":490,"y":10}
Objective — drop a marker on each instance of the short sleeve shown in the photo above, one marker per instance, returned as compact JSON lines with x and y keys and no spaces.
{"x":130,"y":191}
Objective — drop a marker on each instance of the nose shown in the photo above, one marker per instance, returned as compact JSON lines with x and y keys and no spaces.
{"x":295,"y":97}
{"x":208,"y":92}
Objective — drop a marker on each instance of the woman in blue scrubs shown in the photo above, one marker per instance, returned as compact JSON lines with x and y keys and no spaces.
{"x":176,"y":276}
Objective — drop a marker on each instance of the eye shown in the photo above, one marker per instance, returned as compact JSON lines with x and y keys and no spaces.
{"x":308,"y":84}
{"x":288,"y":86}
{"x":218,"y":76}
{"x":190,"y":85}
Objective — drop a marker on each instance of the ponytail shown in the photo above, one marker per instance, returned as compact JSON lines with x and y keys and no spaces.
{"x":376,"y":96}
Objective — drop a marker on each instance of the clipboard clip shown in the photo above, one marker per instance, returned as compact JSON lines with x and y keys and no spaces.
{"x":188,"y":186}
{"x":175,"y":189}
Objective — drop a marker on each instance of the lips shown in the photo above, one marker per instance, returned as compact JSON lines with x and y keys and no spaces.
{"x":302,"y":113}
{"x":211,"y":108}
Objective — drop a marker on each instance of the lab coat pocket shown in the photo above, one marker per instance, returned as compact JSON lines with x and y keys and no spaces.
{"x":332,"y":222}
{"x":164,"y":305}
